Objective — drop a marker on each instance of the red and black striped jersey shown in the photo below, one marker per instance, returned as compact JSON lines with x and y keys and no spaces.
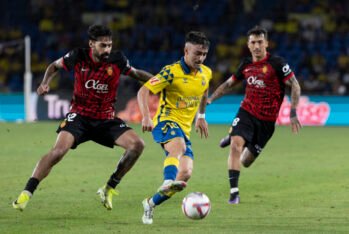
{"x":95,"y":83}
{"x":265,"y":85}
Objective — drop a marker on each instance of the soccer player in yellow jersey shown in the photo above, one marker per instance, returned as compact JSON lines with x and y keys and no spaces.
{"x":183,"y":88}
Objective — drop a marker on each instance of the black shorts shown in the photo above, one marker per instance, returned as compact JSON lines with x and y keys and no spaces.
{"x":256,"y":132}
{"x":83,"y":128}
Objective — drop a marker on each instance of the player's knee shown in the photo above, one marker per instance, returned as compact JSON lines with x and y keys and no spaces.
{"x":237,"y":148}
{"x":137,"y":146}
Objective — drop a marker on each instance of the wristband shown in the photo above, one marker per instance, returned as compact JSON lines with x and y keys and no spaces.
{"x":201,"y":116}
{"x":293,"y":112}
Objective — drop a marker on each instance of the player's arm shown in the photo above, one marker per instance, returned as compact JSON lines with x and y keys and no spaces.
{"x":140,"y":75}
{"x":201,"y":123}
{"x":222,"y":89}
{"x":50,"y":72}
{"x":295,"y":95}
{"x":143,"y":100}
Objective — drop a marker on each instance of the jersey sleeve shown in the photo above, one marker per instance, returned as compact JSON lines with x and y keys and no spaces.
{"x":160,"y":80}
{"x":238,"y":75}
{"x":70,"y":59}
{"x":121,"y":61}
{"x":283,"y":70}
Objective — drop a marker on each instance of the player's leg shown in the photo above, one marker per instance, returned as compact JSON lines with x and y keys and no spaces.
{"x":236,"y":149}
{"x":133,"y":146}
{"x":176,"y":148}
{"x":185,"y":168}
{"x":247,"y":158}
{"x":64,"y":142}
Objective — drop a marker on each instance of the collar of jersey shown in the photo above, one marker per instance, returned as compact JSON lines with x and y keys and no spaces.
{"x":185,"y":67}
{"x":264,"y":59}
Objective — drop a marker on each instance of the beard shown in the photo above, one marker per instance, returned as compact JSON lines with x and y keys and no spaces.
{"x":103,"y":57}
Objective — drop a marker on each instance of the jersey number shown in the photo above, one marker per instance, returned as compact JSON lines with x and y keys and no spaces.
{"x":235,"y":122}
{"x":70,"y":117}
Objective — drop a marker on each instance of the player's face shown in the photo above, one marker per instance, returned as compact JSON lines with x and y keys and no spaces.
{"x":195,"y":55}
{"x":258,"y":46}
{"x":101,"y":48}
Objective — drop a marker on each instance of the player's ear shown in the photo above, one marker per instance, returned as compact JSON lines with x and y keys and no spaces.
{"x":90,"y":43}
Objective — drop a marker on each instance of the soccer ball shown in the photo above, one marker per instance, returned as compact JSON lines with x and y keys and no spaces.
{"x":196,"y":205}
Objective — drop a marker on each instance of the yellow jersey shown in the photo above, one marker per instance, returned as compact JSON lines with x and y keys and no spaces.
{"x":181,"y":93}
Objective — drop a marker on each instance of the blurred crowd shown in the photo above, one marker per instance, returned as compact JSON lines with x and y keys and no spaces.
{"x":312,"y":35}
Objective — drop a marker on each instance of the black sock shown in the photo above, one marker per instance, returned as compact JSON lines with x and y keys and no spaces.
{"x":32,"y":184}
{"x":113,"y":182}
{"x":234,"y":178}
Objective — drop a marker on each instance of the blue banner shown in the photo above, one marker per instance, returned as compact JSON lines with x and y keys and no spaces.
{"x":12,"y":107}
{"x":312,"y":110}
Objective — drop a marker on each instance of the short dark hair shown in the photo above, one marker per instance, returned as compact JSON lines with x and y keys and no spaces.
{"x":96,"y":30}
{"x":197,"y":38}
{"x":258,"y":30}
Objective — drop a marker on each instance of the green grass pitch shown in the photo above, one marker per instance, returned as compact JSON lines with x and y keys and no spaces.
{"x":300,"y":184}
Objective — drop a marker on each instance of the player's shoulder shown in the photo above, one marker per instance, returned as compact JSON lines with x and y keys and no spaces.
{"x":245,"y":62}
{"x":273,"y":58}
{"x":77,"y":53}
{"x":173,"y":67}
{"x":206,"y":69}
{"x":116,"y":56}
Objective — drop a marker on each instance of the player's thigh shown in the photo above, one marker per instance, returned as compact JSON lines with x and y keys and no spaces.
{"x":242,"y":126}
{"x":64,"y":142}
{"x":175,"y":147}
{"x":129,"y":139}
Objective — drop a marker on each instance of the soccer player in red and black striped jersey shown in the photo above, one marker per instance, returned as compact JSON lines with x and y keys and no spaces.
{"x":266,"y":77}
{"x":97,"y":73}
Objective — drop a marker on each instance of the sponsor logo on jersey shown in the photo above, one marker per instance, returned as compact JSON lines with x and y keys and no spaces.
{"x":110,"y":71}
{"x":94,"y":84}
{"x":154,"y":81}
{"x":185,"y":80}
{"x":253,"y":80}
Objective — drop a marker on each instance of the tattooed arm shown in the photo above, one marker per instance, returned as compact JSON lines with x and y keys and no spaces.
{"x":295,"y":95}
{"x":51,"y":72}
{"x":221,"y":90}
{"x":140,"y":75}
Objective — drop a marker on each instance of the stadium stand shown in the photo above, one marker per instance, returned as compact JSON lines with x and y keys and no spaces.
{"x":312,"y":35}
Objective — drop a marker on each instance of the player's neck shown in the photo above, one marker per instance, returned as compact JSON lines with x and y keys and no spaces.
{"x":259,"y":58}
{"x":95,"y":59}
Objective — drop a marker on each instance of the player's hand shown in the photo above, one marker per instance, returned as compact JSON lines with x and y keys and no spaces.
{"x":209,"y":101}
{"x":147,"y":124}
{"x":43,"y":89}
{"x":295,"y":124}
{"x":202,"y":126}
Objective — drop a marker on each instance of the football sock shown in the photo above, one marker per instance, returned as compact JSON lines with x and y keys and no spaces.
{"x":234,"y":180}
{"x":157,"y":199}
{"x":113,"y":182}
{"x":170,"y":168}
{"x":32,"y":184}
